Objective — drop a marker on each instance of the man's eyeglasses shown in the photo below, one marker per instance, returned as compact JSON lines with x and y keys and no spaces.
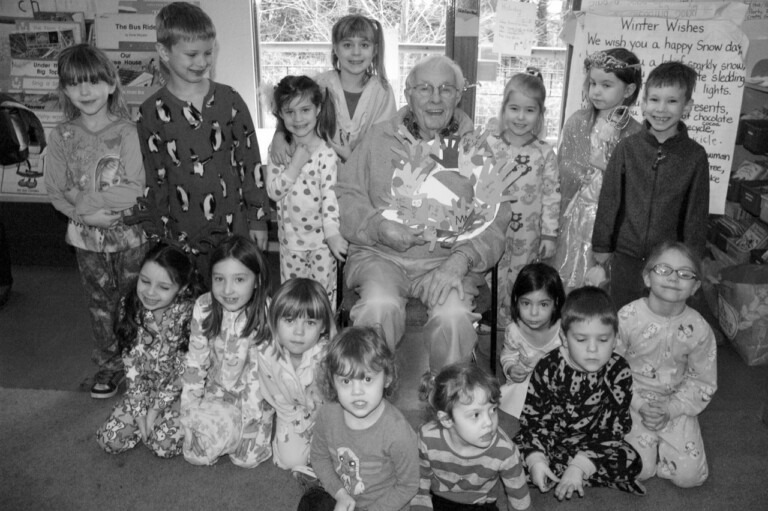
{"x":425,"y":90}
{"x":666,"y":270}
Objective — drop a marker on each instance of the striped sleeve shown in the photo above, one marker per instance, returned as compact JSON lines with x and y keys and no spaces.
{"x":423,"y":500}
{"x":513,"y":478}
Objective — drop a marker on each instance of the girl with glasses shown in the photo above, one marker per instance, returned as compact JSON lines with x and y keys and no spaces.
{"x":672,"y":352}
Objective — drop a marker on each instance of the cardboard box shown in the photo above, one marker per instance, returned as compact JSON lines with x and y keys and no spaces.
{"x":735,"y":185}
{"x":751,"y":196}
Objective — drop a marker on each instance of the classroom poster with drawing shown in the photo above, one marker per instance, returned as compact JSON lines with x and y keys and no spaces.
{"x":713,"y":47}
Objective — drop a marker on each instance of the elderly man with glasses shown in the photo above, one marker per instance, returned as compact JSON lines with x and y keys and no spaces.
{"x":389,"y":178}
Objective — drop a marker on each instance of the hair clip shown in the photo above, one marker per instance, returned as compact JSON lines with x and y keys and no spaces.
{"x":534,"y":71}
{"x":609,"y":63}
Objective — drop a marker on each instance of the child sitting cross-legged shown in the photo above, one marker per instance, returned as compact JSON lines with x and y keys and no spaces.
{"x":576,"y":413}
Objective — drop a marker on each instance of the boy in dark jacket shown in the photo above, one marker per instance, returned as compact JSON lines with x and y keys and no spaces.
{"x":656,"y":185}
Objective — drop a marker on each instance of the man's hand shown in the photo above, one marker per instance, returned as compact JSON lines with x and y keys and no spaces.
{"x":399,"y":236}
{"x":338,"y":246}
{"x":572,"y":481}
{"x":437,"y":285}
{"x":102,"y":218}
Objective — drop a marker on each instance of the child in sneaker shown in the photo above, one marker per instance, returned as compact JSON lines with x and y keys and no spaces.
{"x":109,"y":252}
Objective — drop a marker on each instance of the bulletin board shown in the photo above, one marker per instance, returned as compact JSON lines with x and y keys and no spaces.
{"x":705,"y":35}
{"x":125,"y":30}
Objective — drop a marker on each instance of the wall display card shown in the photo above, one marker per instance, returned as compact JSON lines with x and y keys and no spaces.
{"x":34,"y":59}
{"x":713,"y":47}
{"x":5,"y":55}
{"x":515,"y":32}
{"x":119,"y":31}
{"x":78,"y":31}
{"x":139,"y":73}
{"x":24,"y":179}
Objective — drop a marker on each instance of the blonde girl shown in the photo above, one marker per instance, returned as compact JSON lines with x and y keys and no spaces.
{"x":307,"y":209}
{"x":535,"y":191}
{"x":672,"y":352}
{"x":153,"y":334}
{"x":222,"y":409}
{"x":109,"y":253}
{"x":357,"y":83}
{"x":363,"y":449}
{"x":463,"y":453}
{"x":301,"y":322}
{"x":589,"y":136}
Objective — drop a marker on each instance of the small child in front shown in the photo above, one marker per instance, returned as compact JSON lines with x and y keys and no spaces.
{"x":199,"y":145}
{"x":673,"y":355}
{"x":363,"y":450}
{"x":222,"y":409}
{"x":656,"y":185}
{"x":463,"y":452}
{"x":301,"y":322}
{"x":576,"y":413}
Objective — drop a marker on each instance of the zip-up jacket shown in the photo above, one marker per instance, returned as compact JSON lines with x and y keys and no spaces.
{"x":653,"y":192}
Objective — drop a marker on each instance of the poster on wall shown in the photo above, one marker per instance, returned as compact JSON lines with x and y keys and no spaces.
{"x":715,"y":48}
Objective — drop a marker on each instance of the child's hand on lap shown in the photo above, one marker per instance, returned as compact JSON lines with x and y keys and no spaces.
{"x":543,"y":477}
{"x":344,"y":501}
{"x":572,"y":481}
{"x":655,"y":415}
{"x":338,"y":246}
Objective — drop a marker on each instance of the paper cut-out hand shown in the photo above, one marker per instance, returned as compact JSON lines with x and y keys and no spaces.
{"x":450,"y":152}
{"x":493,"y":181}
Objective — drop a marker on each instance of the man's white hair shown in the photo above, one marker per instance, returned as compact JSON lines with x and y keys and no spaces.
{"x":437,"y":60}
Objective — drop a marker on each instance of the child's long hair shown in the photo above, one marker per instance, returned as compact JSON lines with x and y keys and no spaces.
{"x":85,"y":63}
{"x":619,"y":61}
{"x":530,"y":85}
{"x":298,"y":298}
{"x":356,"y":25}
{"x":355,"y":351}
{"x":292,"y":88}
{"x":537,"y":276}
{"x":130,"y":315}
{"x":248,"y":254}
{"x":455,"y":384}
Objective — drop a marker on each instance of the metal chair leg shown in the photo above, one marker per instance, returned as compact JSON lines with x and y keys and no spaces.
{"x":494,"y":312}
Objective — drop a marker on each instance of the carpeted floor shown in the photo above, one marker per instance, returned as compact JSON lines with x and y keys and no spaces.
{"x":49,"y":458}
